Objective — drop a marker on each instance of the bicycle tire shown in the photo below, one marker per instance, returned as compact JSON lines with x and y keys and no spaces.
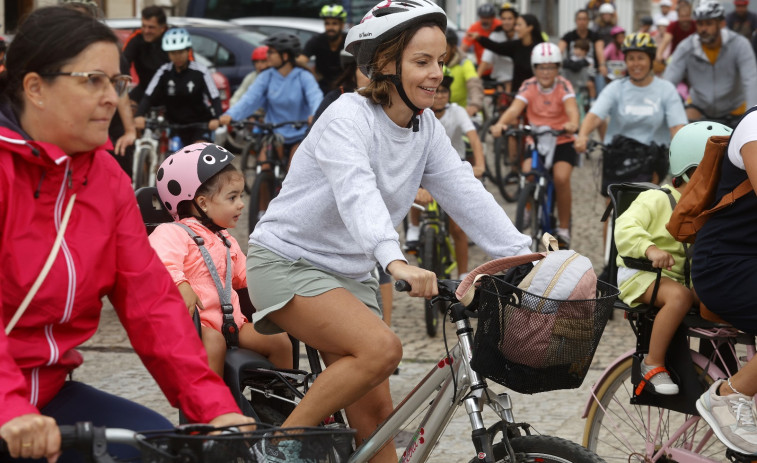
{"x":547,"y":449}
{"x":142,"y":175}
{"x":527,"y":215}
{"x":429,"y":261}
{"x":625,"y":435}
{"x":489,"y":160}
{"x":265,"y":179}
{"x":248,"y":163}
{"x":508,"y":178}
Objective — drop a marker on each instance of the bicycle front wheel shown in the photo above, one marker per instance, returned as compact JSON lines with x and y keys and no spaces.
{"x":547,"y":449}
{"x":261,"y":194}
{"x":507,"y":167}
{"x":618,"y":430}
{"x":528,"y":213}
{"x":430,"y":261}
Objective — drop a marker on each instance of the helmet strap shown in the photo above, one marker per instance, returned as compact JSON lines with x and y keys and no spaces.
{"x":396,"y":79}
{"x":205,"y":220}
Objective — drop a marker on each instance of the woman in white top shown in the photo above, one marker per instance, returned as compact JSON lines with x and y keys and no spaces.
{"x":354,"y":178}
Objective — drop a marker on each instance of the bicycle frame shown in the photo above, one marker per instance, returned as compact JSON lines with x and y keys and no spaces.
{"x":450,"y":371}
{"x":544,"y":183}
{"x":434,"y":217}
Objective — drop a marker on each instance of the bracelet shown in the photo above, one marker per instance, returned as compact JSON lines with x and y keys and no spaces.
{"x":733,"y":388}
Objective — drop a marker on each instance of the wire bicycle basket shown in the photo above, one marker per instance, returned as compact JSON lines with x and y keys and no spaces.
{"x":532,"y":344}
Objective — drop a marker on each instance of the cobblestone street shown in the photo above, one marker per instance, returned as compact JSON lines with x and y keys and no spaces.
{"x":111,"y":364}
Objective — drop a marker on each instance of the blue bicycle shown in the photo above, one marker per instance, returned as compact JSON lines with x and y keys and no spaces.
{"x":536,"y":203}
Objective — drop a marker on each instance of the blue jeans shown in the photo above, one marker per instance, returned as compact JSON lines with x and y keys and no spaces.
{"x":79,"y":402}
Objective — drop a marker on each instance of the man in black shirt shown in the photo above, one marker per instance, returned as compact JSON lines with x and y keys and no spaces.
{"x":326,"y":47}
{"x":596,"y":53}
{"x":143,"y":49}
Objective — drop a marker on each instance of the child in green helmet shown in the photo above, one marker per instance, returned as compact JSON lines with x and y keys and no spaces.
{"x":640,"y":232}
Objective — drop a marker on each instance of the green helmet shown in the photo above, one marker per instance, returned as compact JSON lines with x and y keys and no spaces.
{"x":333,"y":11}
{"x":687,"y":147}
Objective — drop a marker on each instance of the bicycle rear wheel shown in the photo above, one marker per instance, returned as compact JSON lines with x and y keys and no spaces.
{"x":263,"y":187}
{"x":618,"y":430}
{"x":528,"y":213}
{"x":547,"y":449}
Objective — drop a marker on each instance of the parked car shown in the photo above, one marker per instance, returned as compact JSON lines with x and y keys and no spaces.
{"x":226,"y":46}
{"x":304,"y":28}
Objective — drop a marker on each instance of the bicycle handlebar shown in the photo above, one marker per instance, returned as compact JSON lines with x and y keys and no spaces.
{"x":83,"y":435}
{"x":446,"y":288}
{"x":529,"y":130}
{"x":267,"y":125}
{"x":160,"y":124}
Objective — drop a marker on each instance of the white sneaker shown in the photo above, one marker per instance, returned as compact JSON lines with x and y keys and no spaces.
{"x":660,"y":381}
{"x":731,"y":417}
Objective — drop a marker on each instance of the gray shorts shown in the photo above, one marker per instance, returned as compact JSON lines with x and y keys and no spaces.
{"x":274,"y":280}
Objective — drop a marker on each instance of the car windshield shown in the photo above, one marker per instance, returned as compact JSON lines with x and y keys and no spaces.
{"x":252,"y":37}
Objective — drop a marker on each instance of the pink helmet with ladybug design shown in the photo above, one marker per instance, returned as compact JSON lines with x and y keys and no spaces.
{"x":181,"y":174}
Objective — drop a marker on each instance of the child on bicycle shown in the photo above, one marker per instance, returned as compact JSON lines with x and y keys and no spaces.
{"x":457,"y":124}
{"x":286,"y":91}
{"x":640,"y":232}
{"x":202,"y":191}
{"x":549,"y":101}
{"x":577,"y":68}
{"x":184,"y":87}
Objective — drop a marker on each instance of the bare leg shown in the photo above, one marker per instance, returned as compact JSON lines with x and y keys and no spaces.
{"x":362,"y":350}
{"x":215,"y":346}
{"x":745,"y":380}
{"x":387,"y":296}
{"x":461,"y":247}
{"x":674,"y":300}
{"x":277,"y":348}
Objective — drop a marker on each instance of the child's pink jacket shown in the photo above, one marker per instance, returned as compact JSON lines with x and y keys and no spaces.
{"x":184,"y":262}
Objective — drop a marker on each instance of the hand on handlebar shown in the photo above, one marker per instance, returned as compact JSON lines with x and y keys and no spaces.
{"x":32,"y":436}
{"x":580,"y":143}
{"x":233,"y":419}
{"x":422,"y":281}
{"x":497,"y":129}
{"x":224,"y":120}
{"x":213,"y":124}
{"x":570,"y":127}
{"x":139,"y":122}
{"x":423,"y":197}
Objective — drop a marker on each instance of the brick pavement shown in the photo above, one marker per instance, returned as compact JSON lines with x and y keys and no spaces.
{"x":111,"y":364}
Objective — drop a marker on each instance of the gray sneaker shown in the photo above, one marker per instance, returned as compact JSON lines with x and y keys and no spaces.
{"x":731,"y":418}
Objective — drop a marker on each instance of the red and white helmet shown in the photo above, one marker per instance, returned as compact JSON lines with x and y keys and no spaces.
{"x":545,"y":53}
{"x":181,"y":174}
{"x":384,"y":21}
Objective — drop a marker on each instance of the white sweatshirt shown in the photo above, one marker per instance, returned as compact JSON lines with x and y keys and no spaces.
{"x":354,"y":178}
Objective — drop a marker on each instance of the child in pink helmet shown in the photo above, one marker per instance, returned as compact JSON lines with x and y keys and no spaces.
{"x":202,"y":190}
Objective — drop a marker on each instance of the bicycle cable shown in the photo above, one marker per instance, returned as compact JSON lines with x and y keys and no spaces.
{"x":447,"y":360}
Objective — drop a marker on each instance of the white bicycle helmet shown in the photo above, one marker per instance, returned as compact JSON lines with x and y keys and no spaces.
{"x":176,"y":39}
{"x":709,"y":9}
{"x":606,"y":8}
{"x":386,"y":20}
{"x":546,"y":53}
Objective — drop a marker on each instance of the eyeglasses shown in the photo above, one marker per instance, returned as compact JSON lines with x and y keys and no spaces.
{"x":97,"y":80}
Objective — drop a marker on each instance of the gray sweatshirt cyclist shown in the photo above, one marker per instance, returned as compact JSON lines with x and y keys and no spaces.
{"x":720,"y":88}
{"x":355,"y":177}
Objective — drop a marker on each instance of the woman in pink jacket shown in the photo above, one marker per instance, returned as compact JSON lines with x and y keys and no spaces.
{"x":59,"y":92}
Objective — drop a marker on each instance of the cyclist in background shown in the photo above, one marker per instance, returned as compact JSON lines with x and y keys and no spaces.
{"x":351,"y":183}
{"x":500,"y":67}
{"x":286,"y":91}
{"x":260,"y":61}
{"x":487,"y":22}
{"x":184,"y":87}
{"x":677,"y":30}
{"x":326,"y":47}
{"x":549,"y":100}
{"x":143,"y":49}
{"x":577,"y":68}
{"x":597,"y":47}
{"x":604,"y":23}
{"x":741,"y":20}
{"x":468,"y":89}
{"x":666,"y":11}
{"x":719,"y":65}
{"x":457,"y":124}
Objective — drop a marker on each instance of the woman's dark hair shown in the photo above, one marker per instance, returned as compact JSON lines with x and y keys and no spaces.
{"x":533,"y":21}
{"x":46,"y":40}
{"x":347,"y":80}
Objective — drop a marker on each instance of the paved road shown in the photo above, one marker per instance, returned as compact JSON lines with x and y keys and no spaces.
{"x":111,"y":364}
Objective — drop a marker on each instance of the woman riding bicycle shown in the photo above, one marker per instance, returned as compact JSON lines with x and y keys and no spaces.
{"x":184,"y":87}
{"x":286,"y":92}
{"x":641,"y":107}
{"x":354,"y":178}
{"x":59,"y":92}
{"x":549,"y":100}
